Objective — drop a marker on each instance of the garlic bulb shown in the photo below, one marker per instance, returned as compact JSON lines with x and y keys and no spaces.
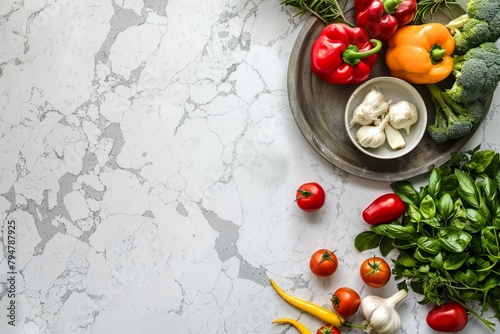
{"x":372,"y":135}
{"x":380,"y":313}
{"x":402,"y":115}
{"x":373,"y":106}
{"x":394,"y":138}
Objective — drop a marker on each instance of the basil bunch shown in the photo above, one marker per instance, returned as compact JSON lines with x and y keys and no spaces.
{"x":449,"y":237}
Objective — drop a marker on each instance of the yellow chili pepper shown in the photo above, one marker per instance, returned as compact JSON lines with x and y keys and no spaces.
{"x":421,"y":54}
{"x":301,"y":328}
{"x":313,"y":309}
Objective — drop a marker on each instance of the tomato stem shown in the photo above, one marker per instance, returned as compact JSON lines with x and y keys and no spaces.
{"x":303,"y":194}
{"x":375,"y":267}
{"x":327,"y":256}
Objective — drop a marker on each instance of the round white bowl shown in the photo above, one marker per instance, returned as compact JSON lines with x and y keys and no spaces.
{"x":394,"y":90}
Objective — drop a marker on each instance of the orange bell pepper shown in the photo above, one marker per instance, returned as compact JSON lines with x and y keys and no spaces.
{"x":421,"y":54}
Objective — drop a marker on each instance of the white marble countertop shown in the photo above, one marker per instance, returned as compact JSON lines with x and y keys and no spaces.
{"x":149,"y":161}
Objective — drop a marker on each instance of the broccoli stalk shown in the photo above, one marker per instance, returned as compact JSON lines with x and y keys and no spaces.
{"x":437,"y":131}
{"x":458,"y":122}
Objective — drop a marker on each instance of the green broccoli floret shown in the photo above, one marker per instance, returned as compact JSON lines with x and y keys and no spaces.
{"x":475,"y":109}
{"x":458,"y":123}
{"x":480,"y":24}
{"x":473,"y":33}
{"x":477,"y":74}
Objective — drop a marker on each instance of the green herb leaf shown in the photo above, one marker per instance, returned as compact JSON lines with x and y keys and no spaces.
{"x":367,"y":240}
{"x":455,"y":261}
{"x":395,"y":231}
{"x":454,"y":241}
{"x":467,"y":189}
{"x":406,"y":191}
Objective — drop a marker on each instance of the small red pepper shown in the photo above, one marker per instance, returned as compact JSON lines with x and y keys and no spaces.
{"x":344,"y":55}
{"x":384,"y":209}
{"x":381,"y":18}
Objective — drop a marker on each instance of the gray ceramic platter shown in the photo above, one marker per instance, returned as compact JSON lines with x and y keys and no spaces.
{"x":318,"y":108}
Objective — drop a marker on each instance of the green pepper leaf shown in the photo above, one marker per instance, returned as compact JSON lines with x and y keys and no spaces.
{"x":428,"y":207}
{"x":367,"y":240}
{"x":454,"y":241}
{"x":467,"y":189}
{"x":455,"y":261}
{"x":395,"y":231}
{"x":429,"y":245}
{"x":406,"y":191}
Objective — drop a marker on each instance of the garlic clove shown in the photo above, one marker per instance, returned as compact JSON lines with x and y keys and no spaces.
{"x":402,"y":115}
{"x":373,"y":106}
{"x":394,"y":138}
{"x":372,"y":136}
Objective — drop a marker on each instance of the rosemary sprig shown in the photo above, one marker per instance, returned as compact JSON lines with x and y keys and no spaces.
{"x":328,"y":11}
{"x":427,"y":8}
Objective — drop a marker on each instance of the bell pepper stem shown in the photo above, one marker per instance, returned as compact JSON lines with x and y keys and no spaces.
{"x":390,"y":6}
{"x":353,"y":56}
{"x":437,"y":53}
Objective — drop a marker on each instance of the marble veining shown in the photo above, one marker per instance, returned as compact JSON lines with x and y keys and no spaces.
{"x":148,"y":161}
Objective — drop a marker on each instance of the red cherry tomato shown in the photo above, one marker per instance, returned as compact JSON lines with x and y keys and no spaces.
{"x":310,"y":197}
{"x":375,"y":272}
{"x":384,"y":209}
{"x":346,"y":301}
{"x":449,"y":317}
{"x":323,"y":263}
{"x":328,"y":329}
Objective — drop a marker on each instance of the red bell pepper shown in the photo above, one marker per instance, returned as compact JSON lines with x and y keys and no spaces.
{"x":344,"y":55}
{"x":381,"y":18}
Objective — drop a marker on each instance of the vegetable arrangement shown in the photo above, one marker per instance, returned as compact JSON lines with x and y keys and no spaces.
{"x":448,"y":238}
{"x":420,"y":53}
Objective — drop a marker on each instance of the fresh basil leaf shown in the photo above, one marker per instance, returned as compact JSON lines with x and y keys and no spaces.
{"x":406,"y":260}
{"x":445,"y":207}
{"x":437,"y":263}
{"x":449,"y":185}
{"x":417,"y":287}
{"x":367,"y":240}
{"x":429,"y":245}
{"x":395,"y":231}
{"x":455,"y":261}
{"x":434,"y":186}
{"x":404,"y":244}
{"x":414,"y":213}
{"x":406,"y":191}
{"x":454,"y":241}
{"x":475,"y":220}
{"x":422,"y":256}
{"x":467,"y":189}
{"x":482,"y":159}
{"x":428,"y":207}
{"x":434,"y":222}
{"x":489,"y":241}
{"x":493,"y":166}
{"x":459,"y":219}
{"x":386,"y":245}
